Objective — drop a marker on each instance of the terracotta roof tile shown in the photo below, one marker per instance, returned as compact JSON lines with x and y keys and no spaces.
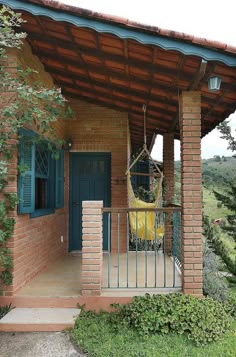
{"x":122,"y":75}
{"x":138,"y":26}
{"x":230,"y":48}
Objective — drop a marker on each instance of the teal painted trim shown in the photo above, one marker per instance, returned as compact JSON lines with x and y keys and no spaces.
{"x":26,"y":183}
{"x":125,"y":33}
{"x":59,"y":180}
{"x":42,"y":212}
{"x":70,"y":245}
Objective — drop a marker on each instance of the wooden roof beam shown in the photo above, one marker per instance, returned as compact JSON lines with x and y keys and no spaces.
{"x":152,"y":142}
{"x":68,"y":30}
{"x":172,"y":91}
{"x":193,"y":86}
{"x":122,"y":89}
{"x":114,"y":96}
{"x":104,"y":102}
{"x":143,"y":65}
{"x":198,"y":76}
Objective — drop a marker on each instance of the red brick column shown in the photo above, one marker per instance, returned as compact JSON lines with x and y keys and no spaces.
{"x":191,"y":194}
{"x":92,"y":248}
{"x":169,"y":177}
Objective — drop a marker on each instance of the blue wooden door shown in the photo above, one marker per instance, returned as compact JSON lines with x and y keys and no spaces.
{"x":90,"y":180}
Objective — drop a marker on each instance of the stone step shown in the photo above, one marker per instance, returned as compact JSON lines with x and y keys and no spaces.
{"x":38,"y":319}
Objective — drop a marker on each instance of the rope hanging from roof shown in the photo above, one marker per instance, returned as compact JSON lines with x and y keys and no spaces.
{"x":145,"y":225}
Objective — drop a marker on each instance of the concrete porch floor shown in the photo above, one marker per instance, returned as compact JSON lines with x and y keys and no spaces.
{"x":62,"y":278}
{"x":123,"y":271}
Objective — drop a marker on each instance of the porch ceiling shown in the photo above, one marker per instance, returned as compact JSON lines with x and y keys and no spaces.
{"x":122,"y":65}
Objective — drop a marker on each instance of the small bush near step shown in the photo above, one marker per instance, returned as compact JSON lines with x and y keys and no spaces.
{"x":4,"y":310}
{"x":202,"y":320}
{"x":230,"y":304}
{"x":214,"y":285}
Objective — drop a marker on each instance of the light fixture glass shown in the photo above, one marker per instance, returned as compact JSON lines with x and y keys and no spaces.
{"x":214,"y":83}
{"x":68,"y":144}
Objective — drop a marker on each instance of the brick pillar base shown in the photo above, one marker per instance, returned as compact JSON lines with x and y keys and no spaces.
{"x":191,"y":194}
{"x":169,"y":176}
{"x":92,"y":248}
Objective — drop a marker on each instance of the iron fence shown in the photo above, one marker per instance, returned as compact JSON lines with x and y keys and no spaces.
{"x":141,"y":253}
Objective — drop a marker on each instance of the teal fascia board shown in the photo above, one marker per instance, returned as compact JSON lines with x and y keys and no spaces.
{"x":124,"y":33}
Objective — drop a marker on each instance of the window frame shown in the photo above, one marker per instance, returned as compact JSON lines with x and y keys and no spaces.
{"x":55,"y":180}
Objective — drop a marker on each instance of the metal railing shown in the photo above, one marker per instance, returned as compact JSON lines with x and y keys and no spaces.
{"x":176,"y":238}
{"x":136,"y":258}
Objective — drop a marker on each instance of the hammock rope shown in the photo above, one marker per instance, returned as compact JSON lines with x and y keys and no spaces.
{"x":145,"y":225}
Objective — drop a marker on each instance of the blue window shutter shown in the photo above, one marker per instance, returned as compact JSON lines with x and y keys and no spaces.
{"x":26,"y":182}
{"x":60,"y":180}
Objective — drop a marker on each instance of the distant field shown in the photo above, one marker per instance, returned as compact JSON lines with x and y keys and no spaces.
{"x":226,"y":168}
{"x":210,"y":207}
{"x":216,"y":174}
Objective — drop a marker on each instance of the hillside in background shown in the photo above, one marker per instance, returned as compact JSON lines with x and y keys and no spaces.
{"x":218,"y":170}
{"x":217,"y":173}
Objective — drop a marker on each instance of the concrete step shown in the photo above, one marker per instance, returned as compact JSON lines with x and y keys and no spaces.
{"x":38,"y":319}
{"x":92,"y":302}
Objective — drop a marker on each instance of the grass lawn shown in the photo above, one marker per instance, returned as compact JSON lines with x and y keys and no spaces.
{"x":94,"y":334}
{"x":210,"y":205}
{"x":213,"y":212}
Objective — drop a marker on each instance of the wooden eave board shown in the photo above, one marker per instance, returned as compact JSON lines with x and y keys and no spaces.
{"x":123,"y":74}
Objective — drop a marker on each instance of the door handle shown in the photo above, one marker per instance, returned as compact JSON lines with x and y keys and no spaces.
{"x":75,"y":203}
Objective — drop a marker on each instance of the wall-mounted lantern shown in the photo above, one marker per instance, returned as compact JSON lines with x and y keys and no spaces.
{"x":68,"y":144}
{"x":214,"y":83}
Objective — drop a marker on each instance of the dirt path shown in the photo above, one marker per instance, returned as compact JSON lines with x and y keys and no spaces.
{"x":37,"y":344}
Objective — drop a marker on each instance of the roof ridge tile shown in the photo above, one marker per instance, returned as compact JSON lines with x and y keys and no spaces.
{"x":214,"y":44}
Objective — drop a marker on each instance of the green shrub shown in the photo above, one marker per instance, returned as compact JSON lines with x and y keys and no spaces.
{"x":214,"y":284}
{"x":230,"y":304}
{"x":213,"y":237}
{"x":202,"y":320}
{"x":231,"y":280}
{"x":4,"y":310}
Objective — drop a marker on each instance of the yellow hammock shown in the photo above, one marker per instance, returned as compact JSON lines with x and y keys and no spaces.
{"x":145,"y":225}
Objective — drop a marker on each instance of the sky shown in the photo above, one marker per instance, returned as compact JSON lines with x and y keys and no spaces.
{"x":211,"y":19}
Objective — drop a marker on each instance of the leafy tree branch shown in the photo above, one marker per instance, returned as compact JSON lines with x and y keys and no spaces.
{"x":24,"y":102}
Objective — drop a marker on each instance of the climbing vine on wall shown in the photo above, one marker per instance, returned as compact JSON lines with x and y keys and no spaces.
{"x":23,"y":102}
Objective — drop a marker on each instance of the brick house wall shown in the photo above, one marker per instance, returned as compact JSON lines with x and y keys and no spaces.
{"x":36,"y":242}
{"x":98,"y":129}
